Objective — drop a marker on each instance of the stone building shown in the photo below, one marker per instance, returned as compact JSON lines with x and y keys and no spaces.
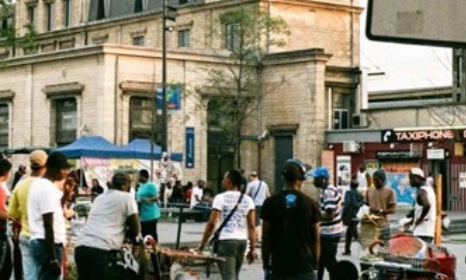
{"x":98,"y":64}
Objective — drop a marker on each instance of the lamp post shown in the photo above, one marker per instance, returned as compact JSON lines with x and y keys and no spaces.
{"x":169,"y":13}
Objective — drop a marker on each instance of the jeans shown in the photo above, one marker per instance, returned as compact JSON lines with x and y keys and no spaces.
{"x":29,"y":268}
{"x":304,"y":276}
{"x":351,"y":232}
{"x":233,"y":251}
{"x":328,"y":253}
{"x":92,"y":263}
{"x":42,"y":259}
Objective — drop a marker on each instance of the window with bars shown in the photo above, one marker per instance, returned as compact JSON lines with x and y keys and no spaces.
{"x":184,"y":38}
{"x":66,"y":121}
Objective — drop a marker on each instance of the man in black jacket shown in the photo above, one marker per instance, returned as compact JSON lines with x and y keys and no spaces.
{"x":353,"y":201}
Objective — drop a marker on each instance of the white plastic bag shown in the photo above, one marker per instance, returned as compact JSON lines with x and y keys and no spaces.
{"x":363,"y":210}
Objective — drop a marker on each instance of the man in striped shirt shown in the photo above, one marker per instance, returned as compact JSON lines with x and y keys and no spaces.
{"x":331,"y":226}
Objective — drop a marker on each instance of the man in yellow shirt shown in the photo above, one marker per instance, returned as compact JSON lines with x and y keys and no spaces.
{"x":18,"y":210}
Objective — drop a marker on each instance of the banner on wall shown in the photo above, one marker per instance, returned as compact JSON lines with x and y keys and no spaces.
{"x":190,"y":147}
{"x":343,"y":171}
{"x":398,"y":179}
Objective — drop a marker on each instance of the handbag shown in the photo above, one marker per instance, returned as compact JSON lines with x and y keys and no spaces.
{"x":215,"y":238}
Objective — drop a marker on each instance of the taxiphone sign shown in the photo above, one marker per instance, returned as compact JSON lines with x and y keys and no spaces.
{"x":423,"y":135}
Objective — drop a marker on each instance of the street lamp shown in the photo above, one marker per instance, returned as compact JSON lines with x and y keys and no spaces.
{"x":169,"y":13}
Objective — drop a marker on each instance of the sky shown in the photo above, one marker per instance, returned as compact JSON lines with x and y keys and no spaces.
{"x":405,"y":66}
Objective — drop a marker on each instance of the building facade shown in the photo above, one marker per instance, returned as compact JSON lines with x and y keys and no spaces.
{"x":98,"y":65}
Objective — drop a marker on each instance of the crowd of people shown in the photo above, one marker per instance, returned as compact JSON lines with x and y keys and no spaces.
{"x":299,"y":235}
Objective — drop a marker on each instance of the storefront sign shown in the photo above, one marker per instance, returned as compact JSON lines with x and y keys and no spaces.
{"x":435,"y":154}
{"x":407,"y":136}
{"x":190,"y":147}
{"x":393,"y":154}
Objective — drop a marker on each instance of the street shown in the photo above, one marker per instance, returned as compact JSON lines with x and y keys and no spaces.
{"x":191,"y":234}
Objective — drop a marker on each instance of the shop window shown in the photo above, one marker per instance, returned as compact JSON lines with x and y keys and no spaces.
{"x":66,"y":121}
{"x":4,"y":126}
{"x":141,"y":117}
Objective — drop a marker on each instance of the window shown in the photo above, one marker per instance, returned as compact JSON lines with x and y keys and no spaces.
{"x":50,"y":15}
{"x":32,"y":15}
{"x":141,"y":113}
{"x":184,"y":37}
{"x":66,"y":121}
{"x":232,"y":36}
{"x":341,"y":119}
{"x":67,"y":5}
{"x":4,"y":126}
{"x":138,"y":41}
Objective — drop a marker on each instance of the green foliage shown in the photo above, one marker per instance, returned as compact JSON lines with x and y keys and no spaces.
{"x":234,"y":91}
{"x":8,"y":34}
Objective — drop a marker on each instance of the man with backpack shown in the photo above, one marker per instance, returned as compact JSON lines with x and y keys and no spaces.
{"x":258,"y":190}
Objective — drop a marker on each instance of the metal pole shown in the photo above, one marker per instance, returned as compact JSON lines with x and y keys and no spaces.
{"x":164,"y":78}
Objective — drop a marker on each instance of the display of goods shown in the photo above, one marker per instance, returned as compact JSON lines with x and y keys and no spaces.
{"x":369,"y":233}
{"x":407,"y":245}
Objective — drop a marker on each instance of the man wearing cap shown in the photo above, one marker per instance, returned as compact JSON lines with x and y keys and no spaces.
{"x":46,"y":219}
{"x":258,"y":190}
{"x":291,"y":246}
{"x":104,"y":232}
{"x":331,"y":226}
{"x":382,"y":202}
{"x":18,"y":210}
{"x":425,"y":209}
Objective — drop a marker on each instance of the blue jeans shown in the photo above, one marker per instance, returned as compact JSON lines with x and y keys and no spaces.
{"x":233,"y":251}
{"x":304,"y":276}
{"x":29,"y":267}
{"x":42,"y":259}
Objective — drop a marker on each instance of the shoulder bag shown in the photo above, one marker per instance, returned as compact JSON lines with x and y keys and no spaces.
{"x":258,"y":189}
{"x":214,"y":240}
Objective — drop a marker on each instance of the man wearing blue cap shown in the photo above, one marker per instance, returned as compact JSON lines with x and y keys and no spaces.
{"x":331,"y":226}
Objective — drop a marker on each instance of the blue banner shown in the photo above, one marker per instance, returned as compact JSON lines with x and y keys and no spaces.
{"x":173,"y":97}
{"x":190,"y":147}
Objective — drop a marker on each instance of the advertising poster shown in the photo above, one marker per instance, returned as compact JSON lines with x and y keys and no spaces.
{"x":398,"y":179}
{"x":343,"y":171}
{"x":189,"y":162}
{"x":462,"y":180}
{"x":173,"y":94}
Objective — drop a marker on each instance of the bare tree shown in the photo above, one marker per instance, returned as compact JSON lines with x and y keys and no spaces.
{"x":234,"y":89}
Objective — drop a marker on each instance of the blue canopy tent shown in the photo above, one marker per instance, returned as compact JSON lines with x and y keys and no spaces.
{"x":94,"y":146}
{"x":141,"y":148}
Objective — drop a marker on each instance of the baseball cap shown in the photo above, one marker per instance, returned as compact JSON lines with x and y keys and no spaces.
{"x":320,"y":172}
{"x":418,"y":172}
{"x":38,"y":158}
{"x":295,"y":169}
{"x":57,"y":160}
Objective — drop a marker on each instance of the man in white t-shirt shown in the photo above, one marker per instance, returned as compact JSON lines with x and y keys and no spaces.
{"x":364,"y":179}
{"x":45,"y":217}
{"x":197,"y":193}
{"x":237,"y":229}
{"x":258,"y":190}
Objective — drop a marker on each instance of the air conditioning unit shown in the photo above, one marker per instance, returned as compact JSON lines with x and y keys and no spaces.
{"x":359,"y":120}
{"x":350,"y":147}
